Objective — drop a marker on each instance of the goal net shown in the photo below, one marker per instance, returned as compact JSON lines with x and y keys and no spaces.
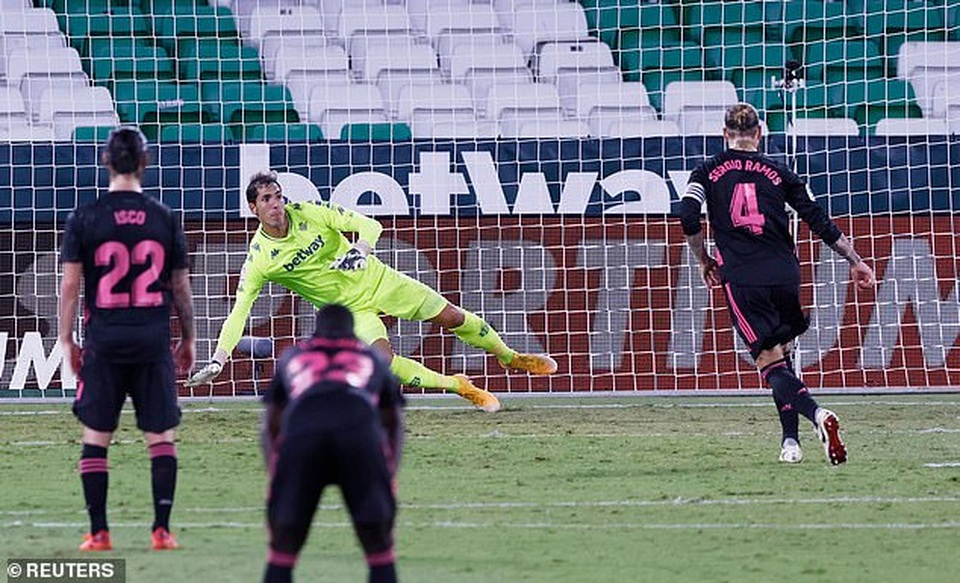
{"x":525,"y":157}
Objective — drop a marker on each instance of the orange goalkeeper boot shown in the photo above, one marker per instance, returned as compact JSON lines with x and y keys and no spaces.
{"x":97,"y":542}
{"x":538,"y":364}
{"x":482,"y":399}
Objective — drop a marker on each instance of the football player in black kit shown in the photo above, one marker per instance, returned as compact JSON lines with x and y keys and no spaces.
{"x":130,"y":252}
{"x":757,"y":265}
{"x":334,"y":416}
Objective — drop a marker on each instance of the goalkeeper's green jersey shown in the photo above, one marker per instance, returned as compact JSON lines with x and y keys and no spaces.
{"x":301,"y":262}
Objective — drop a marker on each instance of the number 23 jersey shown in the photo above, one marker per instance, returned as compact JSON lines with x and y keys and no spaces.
{"x":745,"y":194}
{"x":129,"y":245}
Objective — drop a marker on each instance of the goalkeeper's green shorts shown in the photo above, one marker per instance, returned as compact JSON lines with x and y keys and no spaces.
{"x":397,"y":295}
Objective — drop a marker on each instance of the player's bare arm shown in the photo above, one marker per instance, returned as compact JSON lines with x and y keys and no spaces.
{"x":709,"y":270}
{"x":69,"y":298}
{"x":184,"y":353}
{"x":860,"y":272}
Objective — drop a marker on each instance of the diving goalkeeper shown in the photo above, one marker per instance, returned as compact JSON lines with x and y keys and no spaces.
{"x":301,"y":246}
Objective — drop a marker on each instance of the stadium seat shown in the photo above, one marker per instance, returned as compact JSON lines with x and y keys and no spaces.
{"x":78,"y":106}
{"x":689,"y":103}
{"x":12,"y":107}
{"x":391,"y":83}
{"x":557,"y":58}
{"x":451,"y":41}
{"x":658,"y":66}
{"x":632,"y":128}
{"x":894,"y":22}
{"x":467,"y":60}
{"x":530,"y":101}
{"x":117,"y":22}
{"x":282,"y":133}
{"x":26,"y":132}
{"x":112,"y":60}
{"x":806,"y":21}
{"x":206,"y":133}
{"x":152,"y":103}
{"x":296,"y":46}
{"x":843,"y":60}
{"x":92,"y":134}
{"x":456,"y":18}
{"x":627,"y":100}
{"x":242,"y":103}
{"x":725,"y":29}
{"x":175,"y":21}
{"x":35,"y":44}
{"x":531,"y":24}
{"x":376,"y":132}
{"x":270,"y":24}
{"x":463,"y":129}
{"x":357,"y":21}
{"x":911,"y":127}
{"x":34,"y":73}
{"x":872,"y":100}
{"x":822,"y":126}
{"x":542,"y":126}
{"x":370,"y":56}
{"x":333,"y":106}
{"x":945,"y":97}
{"x":435,"y":103}
{"x":300,"y":71}
{"x":925,"y":64}
{"x":205,"y":59}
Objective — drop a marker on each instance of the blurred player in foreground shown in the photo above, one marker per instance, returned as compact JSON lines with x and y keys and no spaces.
{"x":131,"y":254}
{"x":334,"y":416}
{"x":301,"y":246}
{"x":757,"y":265}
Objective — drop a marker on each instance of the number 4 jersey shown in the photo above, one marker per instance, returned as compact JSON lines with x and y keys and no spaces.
{"x":129,"y":244}
{"x":745,"y":194}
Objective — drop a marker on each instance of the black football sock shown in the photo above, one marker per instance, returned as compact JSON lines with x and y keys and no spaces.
{"x":383,"y":574}
{"x":95,"y":476}
{"x":788,"y":389}
{"x":163,"y":474}
{"x":278,"y":574}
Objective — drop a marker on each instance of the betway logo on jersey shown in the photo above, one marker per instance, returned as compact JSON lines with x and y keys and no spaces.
{"x":436,"y":187}
{"x":304,"y":254}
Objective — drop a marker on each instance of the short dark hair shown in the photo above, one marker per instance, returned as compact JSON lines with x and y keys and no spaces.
{"x":742,"y":119}
{"x":126,"y":150}
{"x":334,"y":321}
{"x":258,"y":181}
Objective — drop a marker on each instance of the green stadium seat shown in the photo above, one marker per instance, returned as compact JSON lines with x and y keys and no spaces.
{"x":839,"y":60}
{"x":207,"y":59}
{"x":893,"y":22}
{"x":806,"y":21}
{"x":869,"y":101}
{"x":658,"y":65}
{"x":152,"y":103}
{"x":116,"y":22}
{"x":241,"y":104}
{"x":96,"y":134}
{"x":117,"y":59}
{"x":376,"y":132}
{"x":192,"y":21}
{"x":208,"y":133}
{"x":283,"y":133}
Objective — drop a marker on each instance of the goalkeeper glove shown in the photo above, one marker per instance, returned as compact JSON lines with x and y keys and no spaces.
{"x":205,"y":374}
{"x":352,"y":260}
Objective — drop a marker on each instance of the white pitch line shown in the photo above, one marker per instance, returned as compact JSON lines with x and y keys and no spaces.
{"x":530,"y":525}
{"x":942,"y":465}
{"x":674,"y":502}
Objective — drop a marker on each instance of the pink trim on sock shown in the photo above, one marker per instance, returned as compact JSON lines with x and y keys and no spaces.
{"x":382,"y":558}
{"x":163,"y":448}
{"x":93,"y":465}
{"x":280,"y":559}
{"x":787,"y":407}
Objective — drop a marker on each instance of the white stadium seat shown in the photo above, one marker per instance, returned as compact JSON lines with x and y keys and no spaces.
{"x":478,"y":18}
{"x":542,"y":126}
{"x":632,"y":128}
{"x":528,"y":100}
{"x":300,"y":71}
{"x":333,"y":106}
{"x":944,"y":96}
{"x":391,"y":83}
{"x":690,"y":103}
{"x":282,"y":21}
{"x":369,"y":57}
{"x":466,"y":43}
{"x":630,"y":98}
{"x":920,"y":126}
{"x":460,"y":129}
{"x":273,"y":46}
{"x":536,"y":23}
{"x":924,"y":64}
{"x":576,"y":57}
{"x":824,"y":126}
{"x":35,"y":72}
{"x":369,"y":19}
{"x":77,"y":107}
{"x":435,"y":103}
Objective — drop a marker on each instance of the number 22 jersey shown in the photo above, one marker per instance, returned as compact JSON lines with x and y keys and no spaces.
{"x":129,"y":245}
{"x":745,"y":194}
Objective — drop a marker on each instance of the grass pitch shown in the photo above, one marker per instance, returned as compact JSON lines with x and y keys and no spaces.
{"x":550,"y":490}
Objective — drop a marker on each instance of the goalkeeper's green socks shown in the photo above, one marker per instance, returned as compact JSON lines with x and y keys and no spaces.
{"x":477,"y":333}
{"x":413,"y":374}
